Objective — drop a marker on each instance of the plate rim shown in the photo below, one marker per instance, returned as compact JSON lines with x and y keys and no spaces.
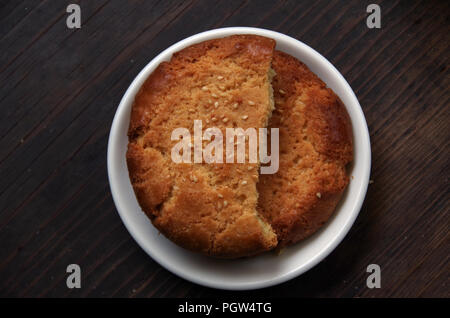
{"x":131,"y":91}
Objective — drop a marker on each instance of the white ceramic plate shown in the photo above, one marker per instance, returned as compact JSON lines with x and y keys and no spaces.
{"x":267,"y":269}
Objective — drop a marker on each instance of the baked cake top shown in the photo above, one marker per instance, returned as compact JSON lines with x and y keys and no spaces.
{"x":210,"y":208}
{"x":315,"y":147}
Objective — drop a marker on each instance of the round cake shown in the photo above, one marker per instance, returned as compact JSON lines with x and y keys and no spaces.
{"x":228,"y":209}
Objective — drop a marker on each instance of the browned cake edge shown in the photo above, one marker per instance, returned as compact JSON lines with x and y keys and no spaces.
{"x":331,"y":135}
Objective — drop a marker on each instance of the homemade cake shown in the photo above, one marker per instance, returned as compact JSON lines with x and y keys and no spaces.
{"x":315,"y":147}
{"x":230,"y":210}
{"x":209,"y":208}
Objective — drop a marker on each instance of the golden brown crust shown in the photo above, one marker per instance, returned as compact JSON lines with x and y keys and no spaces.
{"x":315,"y":147}
{"x":203,"y":207}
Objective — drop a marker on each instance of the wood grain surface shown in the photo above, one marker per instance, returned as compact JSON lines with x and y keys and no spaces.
{"x":60,"y":89}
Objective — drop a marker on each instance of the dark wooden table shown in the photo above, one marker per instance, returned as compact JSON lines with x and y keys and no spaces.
{"x":60,"y":89}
